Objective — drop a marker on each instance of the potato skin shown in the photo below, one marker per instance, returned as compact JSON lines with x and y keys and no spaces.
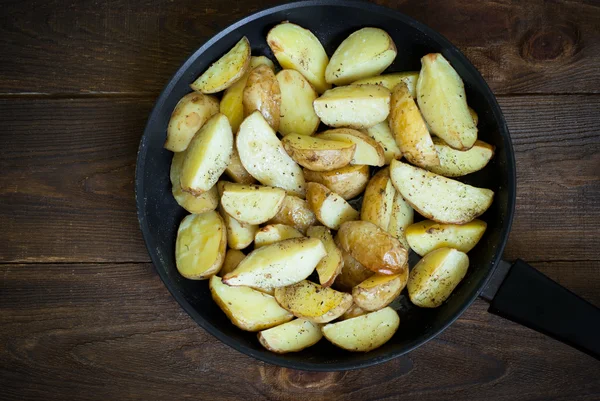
{"x":379,"y":291}
{"x":330,"y":208}
{"x":352,"y":273}
{"x":189,"y":115}
{"x":318,"y":154}
{"x":295,"y":212}
{"x":233,"y":257}
{"x":348,"y":182}
{"x":378,"y":200}
{"x":262,"y":93}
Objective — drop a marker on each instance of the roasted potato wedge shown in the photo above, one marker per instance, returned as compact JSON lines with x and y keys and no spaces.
{"x":207,"y":156}
{"x":352,"y":274}
{"x":363,"y":333}
{"x":277,"y":265}
{"x":354,"y":106}
{"x":383,"y":135}
{"x":374,"y":248}
{"x":295,"y":212}
{"x":433,"y":279}
{"x":426,"y":236}
{"x":443,"y":102}
{"x":363,"y":54}
{"x":439,"y":198}
{"x":236,"y":171}
{"x":190,"y":114}
{"x":379,"y":290}
{"x":194,"y":204}
{"x":378,"y":200}
{"x":297,"y":115}
{"x":233,"y":257}
{"x":402,"y":217}
{"x":226,"y":70}
{"x":265,"y":159}
{"x":248,"y":309}
{"x":390,"y":81}
{"x":456,"y":163}
{"x":200,"y":245}
{"x":354,"y":311}
{"x":474,"y":116}
{"x":299,"y":49}
{"x":409,"y":129}
{"x":348,"y":182}
{"x":368,"y":151}
{"x":318,"y":154}
{"x":262,"y":93}
{"x":239,"y":235}
{"x":313,"y":302}
{"x":329,"y":208}
{"x":292,"y":336}
{"x":251,"y":204}
{"x":273,"y":233}
{"x":331,"y":265}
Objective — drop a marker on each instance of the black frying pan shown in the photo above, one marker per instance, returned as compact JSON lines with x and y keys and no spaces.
{"x":519,"y":293}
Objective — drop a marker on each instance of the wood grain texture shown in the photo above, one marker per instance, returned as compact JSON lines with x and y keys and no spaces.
{"x":119,"y":46}
{"x":92,"y":332}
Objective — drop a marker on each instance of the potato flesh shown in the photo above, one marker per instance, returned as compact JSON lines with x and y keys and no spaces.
{"x":239,"y":235}
{"x":383,"y":135}
{"x":368,"y":151}
{"x":202,"y":203}
{"x":433,"y":279}
{"x":352,"y":273}
{"x":443,"y":102}
{"x":264,"y":157}
{"x":292,"y":336}
{"x":348,"y":182}
{"x":330,"y":266}
{"x":262,"y":93}
{"x":390,"y":81}
{"x":318,"y":154}
{"x":233,"y":257}
{"x":354,"y":311}
{"x":402,"y":217}
{"x":426,"y":236}
{"x":378,"y":200}
{"x":189,"y":115}
{"x":274,"y":233}
{"x":236,"y":171}
{"x":329,"y":208}
{"x":297,"y":115}
{"x":295,"y":212}
{"x":251,"y":204}
{"x":456,"y":163}
{"x":248,"y":309}
{"x":439,"y":198}
{"x":379,"y":290}
{"x":363,"y":333}
{"x":200,"y":245}
{"x":365,"y":53}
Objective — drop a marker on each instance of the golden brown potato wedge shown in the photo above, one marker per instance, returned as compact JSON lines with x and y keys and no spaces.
{"x":354,"y":106}
{"x":329,"y":208}
{"x":439,"y":198}
{"x":378,"y":200}
{"x":365,"y":53}
{"x":374,"y":248}
{"x":292,"y":336}
{"x":299,"y":49}
{"x":313,"y":302}
{"x":236,"y":171}
{"x":348,"y":182}
{"x":233,"y":257}
{"x":443,"y":102}
{"x":456,"y":163}
{"x":194,"y":204}
{"x":200,"y":245}
{"x":433,"y":279}
{"x":248,"y":309}
{"x":363,"y":333}
{"x":379,"y":290}
{"x":190,"y":114}
{"x":426,"y":236}
{"x":226,"y":70}
{"x":318,"y":154}
{"x":273,"y":233}
{"x":352,"y":274}
{"x":409,"y":129}
{"x":383,"y":135}
{"x":331,"y":265}
{"x":368,"y":151}
{"x":402,"y":217}
{"x":390,"y":81}
{"x":262,"y":93}
{"x":297,"y":115}
{"x":251,"y":204}
{"x":354,"y":311}
{"x":295,"y":212}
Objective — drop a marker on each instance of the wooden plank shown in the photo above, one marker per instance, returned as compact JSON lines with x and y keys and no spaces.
{"x":127,"y":47}
{"x":99,"y":332}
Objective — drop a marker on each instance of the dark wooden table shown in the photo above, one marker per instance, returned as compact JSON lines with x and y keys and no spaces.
{"x":83,"y":314}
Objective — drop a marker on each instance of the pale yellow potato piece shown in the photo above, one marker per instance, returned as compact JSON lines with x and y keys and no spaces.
{"x":313,"y":302}
{"x":299,"y":49}
{"x":207,"y":156}
{"x":426,"y":236}
{"x":456,"y":163}
{"x":264,"y":157}
{"x":318,"y":154}
{"x":353,"y":272}
{"x":236,"y":171}
{"x":297,"y":115}
{"x":443,"y":102}
{"x":329,"y":208}
{"x":379,"y":290}
{"x":439,"y":198}
{"x":363,"y":333}
{"x":277,"y":265}
{"x":383,"y":135}
{"x":474,"y":115}
{"x":354,"y":311}
{"x":363,"y":54}
{"x":262,"y":93}
{"x":204,"y":202}
{"x":390,"y":81}
{"x":239,"y":235}
{"x":200,"y":245}
{"x":248,"y":309}
{"x":233,"y":257}
{"x":331,"y":265}
{"x":295,"y":212}
{"x":433,"y":279}
{"x":189,"y":115}
{"x":272,"y":233}
{"x":354,"y":106}
{"x":292,"y":336}
{"x":378,"y":200}
{"x":226,"y":70}
{"x":368,"y":151}
{"x":348,"y":182}
{"x":402,"y":216}
{"x":410,"y":130}
{"x":251,"y":204}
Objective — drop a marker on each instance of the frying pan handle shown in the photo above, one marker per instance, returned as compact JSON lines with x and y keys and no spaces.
{"x":524,"y":295}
